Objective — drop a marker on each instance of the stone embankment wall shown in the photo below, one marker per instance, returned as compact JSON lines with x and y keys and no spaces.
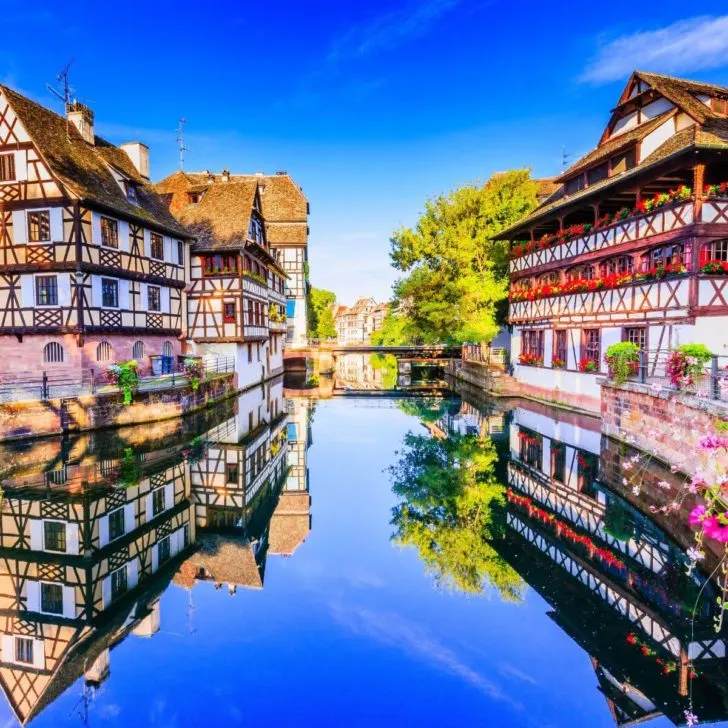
{"x":665,"y":423}
{"x":35,"y":419}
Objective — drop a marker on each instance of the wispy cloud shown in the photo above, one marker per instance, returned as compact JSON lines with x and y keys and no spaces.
{"x":390,"y":30}
{"x":688,"y":45}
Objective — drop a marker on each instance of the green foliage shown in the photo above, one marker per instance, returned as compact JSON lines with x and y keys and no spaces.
{"x":450,"y":509}
{"x":320,"y":317}
{"x":427,"y":409}
{"x":130,"y":471}
{"x":195,"y":371}
{"x":393,"y":331}
{"x":623,"y":360}
{"x":387,"y":364}
{"x":457,"y":281}
{"x":697,"y":351}
{"x":618,"y":521}
{"x":125,"y":375}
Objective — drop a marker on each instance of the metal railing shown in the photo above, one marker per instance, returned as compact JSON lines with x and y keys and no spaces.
{"x":707,"y":380}
{"x":62,"y":385}
{"x":491,"y":355}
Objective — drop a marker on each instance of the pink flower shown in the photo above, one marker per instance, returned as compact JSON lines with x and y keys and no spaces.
{"x":664,"y":485}
{"x":712,"y":442}
{"x":690,"y":718}
{"x":713,"y":528}
{"x":697,"y":515}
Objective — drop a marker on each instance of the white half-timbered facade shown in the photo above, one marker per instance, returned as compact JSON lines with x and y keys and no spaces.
{"x":632,"y":244}
{"x":92,"y":265}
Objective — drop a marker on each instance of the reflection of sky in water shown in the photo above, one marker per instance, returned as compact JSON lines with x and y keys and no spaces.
{"x":349,"y":630}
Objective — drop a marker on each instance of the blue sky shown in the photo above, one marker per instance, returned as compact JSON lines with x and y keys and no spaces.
{"x":373,"y":107}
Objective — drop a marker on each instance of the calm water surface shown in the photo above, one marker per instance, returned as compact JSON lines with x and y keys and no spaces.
{"x":269,"y":607}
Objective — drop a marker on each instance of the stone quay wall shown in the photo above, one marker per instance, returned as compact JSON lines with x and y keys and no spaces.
{"x":666,"y":423}
{"x":19,"y":420}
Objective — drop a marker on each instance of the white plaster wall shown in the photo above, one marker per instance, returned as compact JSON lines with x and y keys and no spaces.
{"x":565,"y":432}
{"x":625,"y":123}
{"x":709,"y":330}
{"x":558,"y":380}
{"x":656,"y":138}
{"x":657,"y":107}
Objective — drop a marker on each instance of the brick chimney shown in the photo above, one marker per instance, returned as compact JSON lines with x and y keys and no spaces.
{"x":82,"y":118}
{"x":139,"y":155}
{"x":225,"y":175}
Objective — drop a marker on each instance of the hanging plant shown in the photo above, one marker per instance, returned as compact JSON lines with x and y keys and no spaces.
{"x":622,"y":360}
{"x":125,"y":375}
{"x":195,"y":371}
{"x":618,"y":521}
{"x":685,"y":365}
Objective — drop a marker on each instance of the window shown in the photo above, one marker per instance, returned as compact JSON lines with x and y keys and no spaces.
{"x":530,"y":448}
{"x":636,"y":335}
{"x":621,"y":264}
{"x":118,"y":582}
{"x":194,"y":197}
{"x":598,"y":173}
{"x":131,"y":193}
{"x":624,"y":161}
{"x":180,"y":253}
{"x":587,"y":472}
{"x":137,"y":351}
{"x":592,"y":346}
{"x":109,"y":232}
{"x":7,"y":167}
{"x":228,"y":312}
{"x":24,"y":650}
{"x":158,"y":502}
{"x":213,"y":265}
{"x":39,"y":226}
{"x":250,"y":353}
{"x":103,"y":351}
{"x":551,"y":279}
{"x":116,"y":524}
{"x":53,"y":353}
{"x":290,"y":308}
{"x":46,"y":291}
{"x":109,"y":293}
{"x":560,"y":352}
{"x":157,"y":246}
{"x":54,"y":533}
{"x":580,"y":272}
{"x":558,"y":462}
{"x":163,"y":550}
{"x":255,"y":230}
{"x":167,"y":349}
{"x":720,"y":106}
{"x":715,"y":250}
{"x":533,"y":343}
{"x":574,"y":184}
{"x":251,"y":314}
{"x":232,"y":473}
{"x":154,"y":298}
{"x":51,"y":598}
{"x":666,"y":255}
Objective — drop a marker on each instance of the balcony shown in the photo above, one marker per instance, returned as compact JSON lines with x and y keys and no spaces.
{"x":278,"y":326}
{"x":636,"y":227}
{"x":255,"y":287}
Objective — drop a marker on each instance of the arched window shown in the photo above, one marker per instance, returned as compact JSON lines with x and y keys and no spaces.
{"x":715,"y":250}
{"x":167,"y":349}
{"x":666,"y":255}
{"x":103,"y":351}
{"x":580,"y":272}
{"x":53,"y":353}
{"x":137,"y":351}
{"x":621,"y":264}
{"x":551,"y":279}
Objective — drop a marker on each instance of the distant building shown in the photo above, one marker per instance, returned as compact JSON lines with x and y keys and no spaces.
{"x":356,"y":324}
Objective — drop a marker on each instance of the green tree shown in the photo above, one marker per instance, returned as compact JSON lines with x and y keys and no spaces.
{"x":393,"y":331}
{"x":320,"y":317}
{"x":457,"y":276}
{"x":450,"y":509}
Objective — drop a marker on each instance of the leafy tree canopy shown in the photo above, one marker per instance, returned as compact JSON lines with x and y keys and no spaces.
{"x":393,"y":331}
{"x":457,"y":280}
{"x":320,"y":317}
{"x":450,"y":509}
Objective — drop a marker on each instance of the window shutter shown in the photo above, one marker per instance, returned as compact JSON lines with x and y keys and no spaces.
{"x":103,"y":531}
{"x":168,"y":495}
{"x":8,"y":648}
{"x":129,"y":523}
{"x":150,"y":508}
{"x":72,"y":538}
{"x":38,"y":654}
{"x":36,"y":535}
{"x":32,"y":593}
{"x":132,"y":573}
{"x":155,"y":558}
{"x":106,"y":591}
{"x":69,"y":602}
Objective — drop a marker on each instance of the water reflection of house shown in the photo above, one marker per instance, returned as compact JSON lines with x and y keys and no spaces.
{"x":86,"y":548}
{"x":355,"y":371}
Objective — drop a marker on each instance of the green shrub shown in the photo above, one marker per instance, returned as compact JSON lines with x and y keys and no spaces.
{"x":623,"y":360}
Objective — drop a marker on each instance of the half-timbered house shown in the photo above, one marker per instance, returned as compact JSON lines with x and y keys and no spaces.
{"x":632,"y":246}
{"x":236,"y":297}
{"x":92,"y":264}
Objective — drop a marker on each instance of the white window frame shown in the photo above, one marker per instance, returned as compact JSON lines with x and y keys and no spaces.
{"x":28,"y":213}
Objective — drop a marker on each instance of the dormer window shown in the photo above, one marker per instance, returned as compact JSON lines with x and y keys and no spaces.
{"x":720,"y":106}
{"x":131,"y":193}
{"x":255,"y":230}
{"x":194,"y":197}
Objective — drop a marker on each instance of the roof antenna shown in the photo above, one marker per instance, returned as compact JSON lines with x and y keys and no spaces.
{"x":181,"y":142}
{"x":565,"y":158}
{"x":64,"y":94}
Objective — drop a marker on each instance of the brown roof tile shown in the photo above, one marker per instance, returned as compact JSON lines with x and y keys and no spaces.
{"x":82,"y":168}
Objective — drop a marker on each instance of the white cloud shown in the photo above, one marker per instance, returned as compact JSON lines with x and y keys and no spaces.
{"x":390,"y":30}
{"x":687,"y":45}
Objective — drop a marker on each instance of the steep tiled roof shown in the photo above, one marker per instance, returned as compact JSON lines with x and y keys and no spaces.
{"x":82,"y":168}
{"x":221,"y":219}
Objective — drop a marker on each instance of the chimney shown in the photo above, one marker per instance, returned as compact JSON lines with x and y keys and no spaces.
{"x":139,"y":155}
{"x":210,"y":176}
{"x":225,"y":174}
{"x":82,"y":118}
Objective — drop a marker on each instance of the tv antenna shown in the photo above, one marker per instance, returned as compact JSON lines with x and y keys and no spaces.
{"x":65,"y":92}
{"x":565,"y":158}
{"x":181,"y":142}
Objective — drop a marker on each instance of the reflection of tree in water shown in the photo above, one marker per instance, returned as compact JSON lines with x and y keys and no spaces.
{"x":387,"y":364}
{"x":451,"y":508}
{"x":429,"y":409}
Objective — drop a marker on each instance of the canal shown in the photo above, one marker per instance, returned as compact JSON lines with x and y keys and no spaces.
{"x":431,"y":560}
